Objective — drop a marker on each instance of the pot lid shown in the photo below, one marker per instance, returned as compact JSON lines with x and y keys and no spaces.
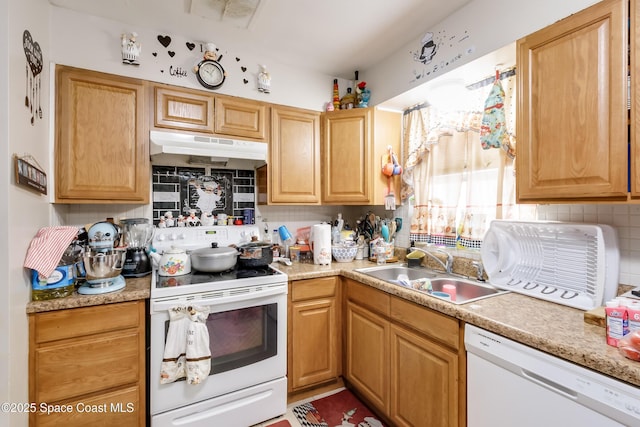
{"x":214,"y":252}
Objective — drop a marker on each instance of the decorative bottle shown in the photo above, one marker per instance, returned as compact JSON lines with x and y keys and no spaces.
{"x":336,"y":95}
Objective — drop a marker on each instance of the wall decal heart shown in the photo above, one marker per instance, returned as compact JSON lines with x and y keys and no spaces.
{"x":245,"y":81}
{"x":244,"y":69}
{"x":155,"y":54}
{"x":190,"y":45}
{"x":171,"y":53}
{"x":162,"y":71}
{"x":33,"y":53}
{"x":164,"y":40}
{"x":237,"y":59}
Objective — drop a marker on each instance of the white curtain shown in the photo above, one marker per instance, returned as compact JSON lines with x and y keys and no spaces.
{"x":457,"y":185}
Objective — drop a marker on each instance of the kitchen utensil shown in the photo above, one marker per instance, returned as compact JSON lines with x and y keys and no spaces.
{"x":214,"y":259}
{"x":103,"y":270}
{"x":384,"y":232}
{"x":285,"y":235}
{"x":255,"y":254}
{"x":173,"y":262}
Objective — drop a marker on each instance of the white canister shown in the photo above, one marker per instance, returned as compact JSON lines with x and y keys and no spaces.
{"x":320,"y":242}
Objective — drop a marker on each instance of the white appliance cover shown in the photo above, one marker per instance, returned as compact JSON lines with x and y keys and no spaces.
{"x":573,"y":264}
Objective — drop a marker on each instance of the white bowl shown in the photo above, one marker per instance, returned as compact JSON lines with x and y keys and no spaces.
{"x":344,"y":253}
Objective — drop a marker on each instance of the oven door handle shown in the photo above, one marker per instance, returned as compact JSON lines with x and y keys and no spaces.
{"x":165,"y":305}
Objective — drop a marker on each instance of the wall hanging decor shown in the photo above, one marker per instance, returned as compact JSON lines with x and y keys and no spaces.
{"x":209,"y":72}
{"x":29,"y":175}
{"x":33,"y":68}
{"x":130,"y":49}
{"x":264,"y":80}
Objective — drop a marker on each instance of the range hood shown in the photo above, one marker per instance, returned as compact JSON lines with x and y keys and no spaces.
{"x":206,"y":150}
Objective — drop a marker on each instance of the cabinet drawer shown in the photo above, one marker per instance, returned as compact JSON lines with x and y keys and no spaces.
{"x":314,"y":288}
{"x":72,"y":368}
{"x":116,"y":408}
{"x":438,"y":326}
{"x":369,"y":297}
{"x":78,"y":322}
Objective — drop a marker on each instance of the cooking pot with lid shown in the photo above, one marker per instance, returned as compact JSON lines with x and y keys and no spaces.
{"x":214,"y":259}
{"x":255,"y":254}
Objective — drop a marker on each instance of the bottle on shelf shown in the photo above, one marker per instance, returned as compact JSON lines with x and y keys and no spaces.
{"x":336,"y":95}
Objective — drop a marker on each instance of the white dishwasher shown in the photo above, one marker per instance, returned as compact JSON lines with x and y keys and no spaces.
{"x":510,"y":384}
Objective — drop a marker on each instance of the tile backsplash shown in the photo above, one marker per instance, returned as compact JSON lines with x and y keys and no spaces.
{"x":179,"y":189}
{"x":625,"y":218}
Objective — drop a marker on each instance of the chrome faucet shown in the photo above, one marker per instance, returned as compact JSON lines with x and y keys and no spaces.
{"x":447,"y":266}
{"x":479,"y":270}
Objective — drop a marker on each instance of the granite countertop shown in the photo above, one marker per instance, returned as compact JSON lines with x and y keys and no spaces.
{"x":552,"y":328}
{"x":135,"y":289}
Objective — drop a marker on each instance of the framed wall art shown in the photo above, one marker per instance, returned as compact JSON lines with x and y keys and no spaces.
{"x":29,"y":175}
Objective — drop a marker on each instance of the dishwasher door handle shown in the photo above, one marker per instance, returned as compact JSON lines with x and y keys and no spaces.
{"x":551,"y":385}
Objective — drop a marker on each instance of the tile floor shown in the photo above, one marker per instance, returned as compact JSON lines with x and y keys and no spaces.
{"x":289,"y":415}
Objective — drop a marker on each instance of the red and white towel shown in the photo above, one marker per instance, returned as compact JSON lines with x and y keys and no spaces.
{"x":47,"y":247}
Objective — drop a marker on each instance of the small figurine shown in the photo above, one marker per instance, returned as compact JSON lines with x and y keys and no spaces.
{"x":130,"y":49}
{"x":264,"y":80}
{"x":181,"y":221}
{"x":207,"y":218}
{"x":192,"y":219}
{"x":330,"y":106}
{"x":348,"y":101}
{"x":162,"y":223}
{"x":168,"y":216}
{"x":363,"y":94}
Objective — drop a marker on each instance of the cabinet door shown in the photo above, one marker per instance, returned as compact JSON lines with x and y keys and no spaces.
{"x":424,"y":381}
{"x":571,"y":114}
{"x":367,"y":355}
{"x":241,"y":117}
{"x":102,"y":143}
{"x":294,"y":165}
{"x":634,"y":38}
{"x":346,"y":156}
{"x":314,"y":334}
{"x":183,"y":109}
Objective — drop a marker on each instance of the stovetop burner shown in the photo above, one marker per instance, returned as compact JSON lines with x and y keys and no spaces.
{"x":225,"y":279}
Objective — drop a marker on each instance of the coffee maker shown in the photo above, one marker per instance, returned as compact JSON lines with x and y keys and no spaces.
{"x":137,"y":233}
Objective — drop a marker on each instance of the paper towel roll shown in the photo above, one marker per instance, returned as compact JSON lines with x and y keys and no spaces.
{"x":320,"y":241}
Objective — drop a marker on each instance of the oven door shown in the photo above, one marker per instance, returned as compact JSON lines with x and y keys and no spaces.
{"x":247,"y":335}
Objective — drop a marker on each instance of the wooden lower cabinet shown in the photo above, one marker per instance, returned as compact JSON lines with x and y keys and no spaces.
{"x":87,"y":366}
{"x":404,"y":359}
{"x":314,"y":335}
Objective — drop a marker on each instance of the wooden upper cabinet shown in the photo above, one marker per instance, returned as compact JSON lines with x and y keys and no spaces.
{"x":241,"y":117}
{"x":634,"y":39}
{"x":294,"y":159}
{"x":183,"y":109}
{"x":101,"y":138}
{"x":354,"y":142}
{"x":572,"y":134}
{"x":346,"y":155}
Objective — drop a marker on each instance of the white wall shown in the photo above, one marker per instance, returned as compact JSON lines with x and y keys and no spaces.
{"x":473,"y":31}
{"x":23,"y":212}
{"x":94,"y":43}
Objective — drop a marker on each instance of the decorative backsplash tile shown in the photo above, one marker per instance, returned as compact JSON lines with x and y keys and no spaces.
{"x":181,"y":189}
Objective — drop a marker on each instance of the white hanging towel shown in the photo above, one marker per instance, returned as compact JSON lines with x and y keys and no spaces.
{"x":174,"y":360}
{"x":198,"y":351}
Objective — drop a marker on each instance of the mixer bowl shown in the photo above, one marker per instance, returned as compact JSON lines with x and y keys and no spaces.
{"x":103,"y":265}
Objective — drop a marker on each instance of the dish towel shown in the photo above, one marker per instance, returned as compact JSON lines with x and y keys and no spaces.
{"x":186,"y":351}
{"x":47,"y":247}
{"x":493,"y":130}
{"x":175,"y":348}
{"x":198,"y":351}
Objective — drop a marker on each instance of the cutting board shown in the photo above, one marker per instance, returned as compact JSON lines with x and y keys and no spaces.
{"x":595,"y":316}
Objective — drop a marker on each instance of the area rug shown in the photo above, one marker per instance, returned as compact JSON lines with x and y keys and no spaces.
{"x":339,"y":409}
{"x":283,"y":423}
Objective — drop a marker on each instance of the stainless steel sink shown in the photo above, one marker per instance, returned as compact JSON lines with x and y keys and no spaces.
{"x":466,"y":290}
{"x":390,"y":273}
